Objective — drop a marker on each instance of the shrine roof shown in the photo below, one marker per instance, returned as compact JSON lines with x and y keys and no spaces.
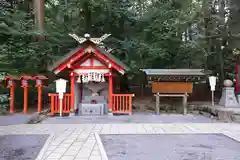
{"x":114,"y":58}
{"x":177,"y":72}
{"x":63,"y":58}
{"x":72,"y":52}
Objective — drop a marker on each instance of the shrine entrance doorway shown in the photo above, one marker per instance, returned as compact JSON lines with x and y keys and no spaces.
{"x":91,"y":86}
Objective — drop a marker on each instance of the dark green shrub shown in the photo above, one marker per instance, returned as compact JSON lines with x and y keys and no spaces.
{"x":4,"y":103}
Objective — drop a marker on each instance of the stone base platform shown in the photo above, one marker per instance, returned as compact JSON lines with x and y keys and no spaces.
{"x":221,"y":112}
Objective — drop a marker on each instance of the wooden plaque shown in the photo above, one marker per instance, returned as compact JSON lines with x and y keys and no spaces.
{"x":172,"y":87}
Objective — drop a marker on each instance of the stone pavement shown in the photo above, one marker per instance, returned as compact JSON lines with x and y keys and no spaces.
{"x":82,"y":142}
{"x":135,"y":118}
{"x":171,"y":147}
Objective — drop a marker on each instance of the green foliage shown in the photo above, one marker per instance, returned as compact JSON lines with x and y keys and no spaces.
{"x":4,"y":103}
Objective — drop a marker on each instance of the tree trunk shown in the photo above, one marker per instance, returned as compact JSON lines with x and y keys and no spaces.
{"x":39,"y":14}
{"x":39,"y":6}
{"x":221,"y":63}
{"x":87,"y":13}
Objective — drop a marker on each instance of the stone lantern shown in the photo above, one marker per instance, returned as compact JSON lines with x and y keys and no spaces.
{"x":228,"y":98}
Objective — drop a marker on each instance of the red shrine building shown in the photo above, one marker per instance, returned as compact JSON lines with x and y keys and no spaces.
{"x":92,"y":74}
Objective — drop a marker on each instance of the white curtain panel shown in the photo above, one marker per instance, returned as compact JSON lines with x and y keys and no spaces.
{"x":91,"y":75}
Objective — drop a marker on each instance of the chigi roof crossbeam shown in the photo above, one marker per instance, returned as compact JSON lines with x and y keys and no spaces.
{"x":87,"y":37}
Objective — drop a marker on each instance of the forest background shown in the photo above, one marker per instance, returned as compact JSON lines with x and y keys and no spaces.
{"x":145,"y":33}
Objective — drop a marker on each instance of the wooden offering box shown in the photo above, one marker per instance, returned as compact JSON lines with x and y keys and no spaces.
{"x":172,"y":87}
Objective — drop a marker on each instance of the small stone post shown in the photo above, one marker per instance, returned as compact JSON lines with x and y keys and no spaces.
{"x":157,"y":103}
{"x":185,"y":104}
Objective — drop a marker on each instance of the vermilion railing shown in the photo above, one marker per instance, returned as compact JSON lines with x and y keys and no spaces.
{"x":55,"y":105}
{"x":122,"y":103}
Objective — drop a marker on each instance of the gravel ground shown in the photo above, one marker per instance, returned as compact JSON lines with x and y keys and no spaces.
{"x":21,"y":147}
{"x":14,"y":119}
{"x":135,"y":118}
{"x":171,"y":147}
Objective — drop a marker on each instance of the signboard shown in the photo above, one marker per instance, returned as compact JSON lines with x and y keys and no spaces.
{"x":173,"y":78}
{"x":61,"y":87}
{"x":212,"y":82}
{"x":172,"y":87}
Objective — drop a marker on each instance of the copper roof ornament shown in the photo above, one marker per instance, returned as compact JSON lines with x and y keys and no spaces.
{"x":88,"y":37}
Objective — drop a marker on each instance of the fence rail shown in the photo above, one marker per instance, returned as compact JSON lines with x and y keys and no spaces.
{"x":55,"y":105}
{"x":122,"y":103}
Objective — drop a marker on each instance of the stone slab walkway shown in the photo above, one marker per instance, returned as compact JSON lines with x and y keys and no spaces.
{"x":135,"y":118}
{"x":82,"y":142}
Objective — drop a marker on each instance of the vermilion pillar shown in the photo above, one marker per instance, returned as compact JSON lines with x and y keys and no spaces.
{"x":39,"y":98}
{"x":25,"y":92}
{"x":72,"y":90}
{"x":39,"y":84}
{"x":25,"y":99}
{"x":12,"y":99}
{"x":11,"y":87}
{"x":110,"y":92}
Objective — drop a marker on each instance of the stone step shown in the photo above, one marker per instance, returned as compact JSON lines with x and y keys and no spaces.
{"x":225,"y":115}
{"x":236,"y":118}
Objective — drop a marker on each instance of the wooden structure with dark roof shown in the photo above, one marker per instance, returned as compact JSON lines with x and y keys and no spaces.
{"x":173,"y":83}
{"x":175,"y":75}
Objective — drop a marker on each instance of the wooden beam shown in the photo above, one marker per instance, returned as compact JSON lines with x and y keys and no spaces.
{"x":39,"y":98}
{"x":91,"y":58}
{"x":91,"y":67}
{"x":72,"y":85}
{"x":184,"y":98}
{"x":157,"y":104}
{"x":25,"y":105}
{"x":12,"y":99}
{"x":70,"y":60}
{"x":110,"y":92}
{"x":113,"y":64}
